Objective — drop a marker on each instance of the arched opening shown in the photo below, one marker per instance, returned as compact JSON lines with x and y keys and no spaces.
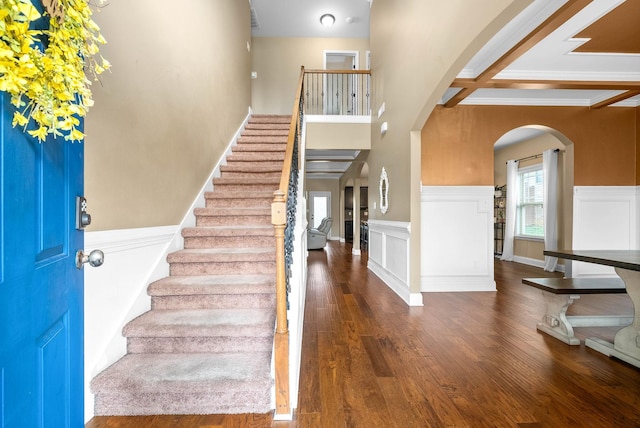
{"x":526,"y":143}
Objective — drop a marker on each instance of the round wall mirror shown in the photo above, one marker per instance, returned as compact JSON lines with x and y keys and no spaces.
{"x":384,"y":191}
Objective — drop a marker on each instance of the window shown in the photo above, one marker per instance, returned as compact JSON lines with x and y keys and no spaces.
{"x":529,"y":211}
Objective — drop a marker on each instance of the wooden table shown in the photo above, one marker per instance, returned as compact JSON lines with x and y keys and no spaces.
{"x":626,"y":344}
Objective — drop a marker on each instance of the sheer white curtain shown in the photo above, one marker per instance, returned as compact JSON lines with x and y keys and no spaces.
{"x":510,"y":214}
{"x":550,"y":203}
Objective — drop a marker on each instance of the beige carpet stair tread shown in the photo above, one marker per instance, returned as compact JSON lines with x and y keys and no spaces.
{"x":250,"y":139}
{"x":260,"y":147}
{"x":252,"y":167}
{"x":221,"y":211}
{"x":249,"y":194}
{"x":186,"y":373}
{"x":258,"y":230}
{"x":212,"y":284}
{"x":247,"y":181}
{"x":256,"y":157}
{"x":222,"y":255}
{"x":282,"y":131}
{"x":271,"y":119}
{"x":202,"y":322}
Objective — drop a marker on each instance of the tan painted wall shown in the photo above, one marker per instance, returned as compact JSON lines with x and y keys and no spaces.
{"x":534,"y":146}
{"x":417,"y":49}
{"x":278,"y":60}
{"x":178,"y":91}
{"x":338,"y":136}
{"x":457,"y":143}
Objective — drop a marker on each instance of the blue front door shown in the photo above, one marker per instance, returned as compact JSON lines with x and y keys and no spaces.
{"x":41,"y":290}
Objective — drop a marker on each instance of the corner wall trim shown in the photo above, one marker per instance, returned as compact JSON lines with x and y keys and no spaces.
{"x":389,"y":257}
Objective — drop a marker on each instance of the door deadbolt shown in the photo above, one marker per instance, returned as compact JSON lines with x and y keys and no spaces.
{"x":83,"y":218}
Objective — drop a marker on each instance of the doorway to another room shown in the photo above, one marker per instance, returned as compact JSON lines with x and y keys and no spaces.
{"x":319,"y":207}
{"x":341,"y":89}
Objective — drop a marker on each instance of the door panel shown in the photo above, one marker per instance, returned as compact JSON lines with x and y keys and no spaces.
{"x":51,"y":200}
{"x":41,"y":295}
{"x":319,"y":207}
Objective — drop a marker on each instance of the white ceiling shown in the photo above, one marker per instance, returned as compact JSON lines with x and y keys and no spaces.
{"x":329,"y":164}
{"x":301,"y":18}
{"x":553,"y":58}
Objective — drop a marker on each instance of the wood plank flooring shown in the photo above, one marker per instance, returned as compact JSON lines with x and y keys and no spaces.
{"x":461,"y":360}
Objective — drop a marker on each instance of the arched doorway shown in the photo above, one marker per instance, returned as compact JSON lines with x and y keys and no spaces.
{"x":526,"y":143}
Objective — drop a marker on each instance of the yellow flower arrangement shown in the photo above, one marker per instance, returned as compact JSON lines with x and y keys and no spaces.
{"x":44,"y":70}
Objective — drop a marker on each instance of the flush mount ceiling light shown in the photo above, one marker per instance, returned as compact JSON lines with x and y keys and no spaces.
{"x":327,"y":20}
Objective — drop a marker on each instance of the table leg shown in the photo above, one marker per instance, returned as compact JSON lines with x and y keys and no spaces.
{"x":555,"y":322}
{"x":627,"y":340}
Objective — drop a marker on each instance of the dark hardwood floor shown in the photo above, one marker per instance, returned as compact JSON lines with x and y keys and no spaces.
{"x":461,"y":360}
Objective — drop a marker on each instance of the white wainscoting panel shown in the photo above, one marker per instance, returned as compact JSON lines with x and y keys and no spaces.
{"x":604,"y":218}
{"x":389,"y":257}
{"x":116,"y":291}
{"x":457,"y":238}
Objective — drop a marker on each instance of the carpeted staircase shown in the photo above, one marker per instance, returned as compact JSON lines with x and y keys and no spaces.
{"x":205,"y":346}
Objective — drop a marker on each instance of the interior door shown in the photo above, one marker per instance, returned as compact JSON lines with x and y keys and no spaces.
{"x":41,"y":290}
{"x":340,"y":89}
{"x":319,"y":207}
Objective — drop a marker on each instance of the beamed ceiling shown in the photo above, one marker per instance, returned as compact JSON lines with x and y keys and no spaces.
{"x":583,"y":53}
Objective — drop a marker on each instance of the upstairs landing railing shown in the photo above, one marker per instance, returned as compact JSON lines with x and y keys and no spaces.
{"x":337,"y":92}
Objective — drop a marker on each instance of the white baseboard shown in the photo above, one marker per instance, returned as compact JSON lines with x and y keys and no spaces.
{"x":116,"y":291}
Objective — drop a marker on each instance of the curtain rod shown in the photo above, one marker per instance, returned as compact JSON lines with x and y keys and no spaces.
{"x":533,"y":156}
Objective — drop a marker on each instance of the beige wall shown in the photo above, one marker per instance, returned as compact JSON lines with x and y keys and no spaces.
{"x":278,"y":60}
{"x":352,"y":136}
{"x":417,"y":49}
{"x":178,"y":91}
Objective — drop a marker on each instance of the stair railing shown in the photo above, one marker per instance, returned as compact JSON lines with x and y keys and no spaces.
{"x":283,"y":212}
{"x":327,"y":92}
{"x":337,"y":92}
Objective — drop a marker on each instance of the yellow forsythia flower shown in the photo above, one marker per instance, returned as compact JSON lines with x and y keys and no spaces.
{"x":53,"y":81}
{"x":19,"y":119}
